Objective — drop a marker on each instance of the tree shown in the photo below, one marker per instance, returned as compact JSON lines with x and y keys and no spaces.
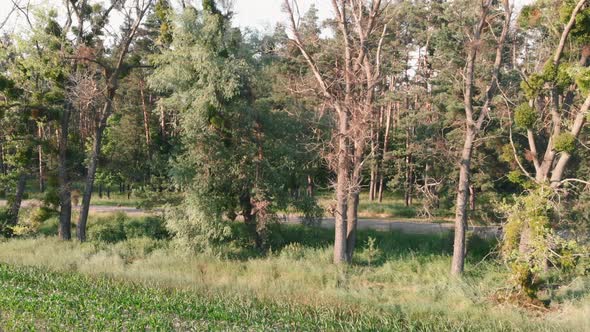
{"x":474,"y":122}
{"x":350,"y":94}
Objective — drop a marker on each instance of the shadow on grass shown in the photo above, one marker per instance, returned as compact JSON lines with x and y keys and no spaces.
{"x":390,"y":244}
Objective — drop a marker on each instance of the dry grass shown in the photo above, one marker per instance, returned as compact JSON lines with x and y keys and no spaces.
{"x":414,"y":284}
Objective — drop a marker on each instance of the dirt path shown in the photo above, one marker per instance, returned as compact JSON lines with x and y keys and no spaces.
{"x":412,"y":227}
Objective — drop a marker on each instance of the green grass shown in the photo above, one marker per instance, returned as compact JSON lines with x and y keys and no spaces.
{"x":392,"y":207}
{"x":140,"y":283}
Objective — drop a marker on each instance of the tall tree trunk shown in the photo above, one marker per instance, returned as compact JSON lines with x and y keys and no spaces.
{"x":65,"y":197}
{"x":16,"y":202}
{"x":385,"y":147}
{"x":340,"y":214}
{"x":352,"y":222}
{"x":146,"y":118}
{"x":353,"y":199}
{"x":40,"y":157}
{"x":459,"y":248}
{"x":2,"y":164}
{"x":249,"y":218}
{"x":89,"y":183}
{"x":471,"y":197}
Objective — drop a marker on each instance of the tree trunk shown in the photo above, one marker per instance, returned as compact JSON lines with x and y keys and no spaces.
{"x":340,"y":214}
{"x":385,"y":146}
{"x":471,"y":197}
{"x":89,"y":184}
{"x":249,"y":218}
{"x":146,"y":119}
{"x":459,"y":248}
{"x":65,"y":197}
{"x":2,"y":165}
{"x":409,"y":181}
{"x":16,"y":202}
{"x":352,"y":221}
{"x":40,"y":156}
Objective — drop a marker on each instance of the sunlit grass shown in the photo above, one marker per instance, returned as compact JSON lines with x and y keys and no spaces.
{"x":406,"y":286}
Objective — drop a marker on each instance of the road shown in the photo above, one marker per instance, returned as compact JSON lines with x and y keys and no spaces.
{"x":406,"y":226}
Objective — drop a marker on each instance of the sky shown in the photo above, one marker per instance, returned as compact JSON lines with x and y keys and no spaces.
{"x":257,"y":14}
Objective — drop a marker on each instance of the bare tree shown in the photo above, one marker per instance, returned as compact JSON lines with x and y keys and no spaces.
{"x":474,"y":122}
{"x":350,"y":95}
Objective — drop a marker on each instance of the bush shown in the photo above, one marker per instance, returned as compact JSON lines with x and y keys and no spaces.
{"x":121,"y":227}
{"x":111,"y":229}
{"x":150,"y":227}
{"x":49,"y":227}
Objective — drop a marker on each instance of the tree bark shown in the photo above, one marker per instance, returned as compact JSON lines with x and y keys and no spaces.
{"x":40,"y":157}
{"x":16,"y":202}
{"x":90,"y":177}
{"x":457,"y":265}
{"x":310,"y":186}
{"x":352,"y":222}
{"x":385,"y":147}
{"x":65,"y":197}
{"x":340,"y":214}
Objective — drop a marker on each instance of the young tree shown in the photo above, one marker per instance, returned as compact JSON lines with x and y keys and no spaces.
{"x":473,"y":121}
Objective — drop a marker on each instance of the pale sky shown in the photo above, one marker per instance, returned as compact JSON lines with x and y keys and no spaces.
{"x":258,"y":14}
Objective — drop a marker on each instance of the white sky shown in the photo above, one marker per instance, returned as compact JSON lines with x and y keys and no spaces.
{"x":258,"y":14}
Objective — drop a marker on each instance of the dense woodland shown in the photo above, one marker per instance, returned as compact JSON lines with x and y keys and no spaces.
{"x":470,"y":110}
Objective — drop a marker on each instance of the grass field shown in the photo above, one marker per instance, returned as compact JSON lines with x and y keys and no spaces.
{"x":400,"y":284}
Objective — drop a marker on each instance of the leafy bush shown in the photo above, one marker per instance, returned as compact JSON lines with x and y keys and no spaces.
{"x":120,"y":227}
{"x":150,"y":227}
{"x":110,"y":229}
{"x":49,"y":227}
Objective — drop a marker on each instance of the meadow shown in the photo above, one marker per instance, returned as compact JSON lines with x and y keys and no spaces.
{"x":398,"y":282}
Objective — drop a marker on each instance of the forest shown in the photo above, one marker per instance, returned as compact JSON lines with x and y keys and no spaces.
{"x":401,"y":165}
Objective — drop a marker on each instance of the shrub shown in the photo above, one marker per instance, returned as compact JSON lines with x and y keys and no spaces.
{"x":49,"y":227}
{"x":111,"y":229}
{"x":150,"y":227}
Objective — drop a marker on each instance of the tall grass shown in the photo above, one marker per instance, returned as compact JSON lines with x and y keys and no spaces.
{"x":408,"y":282}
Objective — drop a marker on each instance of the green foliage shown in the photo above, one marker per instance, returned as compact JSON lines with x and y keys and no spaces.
{"x":581,"y":29}
{"x":525,"y":116}
{"x":533,"y":86}
{"x":565,"y":142}
{"x":529,"y":17}
{"x":529,"y":244}
{"x":581,"y":76}
{"x":108,"y":229}
{"x":119,"y":228}
{"x":148,"y":227}
{"x":371,"y":251}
